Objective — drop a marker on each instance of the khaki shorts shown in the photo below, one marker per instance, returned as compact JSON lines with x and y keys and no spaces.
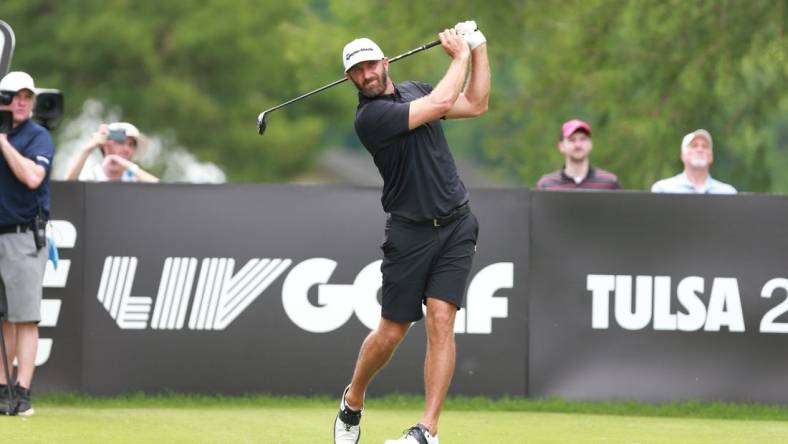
{"x":21,"y":277}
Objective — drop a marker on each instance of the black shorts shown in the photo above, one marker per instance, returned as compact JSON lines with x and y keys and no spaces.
{"x":421,"y":261}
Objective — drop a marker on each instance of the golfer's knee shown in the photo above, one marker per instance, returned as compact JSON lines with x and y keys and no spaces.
{"x":391,"y":334}
{"x":442,"y":319}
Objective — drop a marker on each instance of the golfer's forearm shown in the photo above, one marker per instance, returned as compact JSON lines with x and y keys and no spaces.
{"x":477,"y":90}
{"x":441,"y":100}
{"x":449,"y":88}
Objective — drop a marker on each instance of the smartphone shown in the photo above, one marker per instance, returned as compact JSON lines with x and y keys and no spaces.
{"x":118,"y":135}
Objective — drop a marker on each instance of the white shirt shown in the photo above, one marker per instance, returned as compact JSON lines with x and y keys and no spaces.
{"x":96,"y":174}
{"x":681,"y":184}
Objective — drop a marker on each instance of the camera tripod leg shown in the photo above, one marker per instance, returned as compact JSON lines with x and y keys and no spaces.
{"x":9,"y":384}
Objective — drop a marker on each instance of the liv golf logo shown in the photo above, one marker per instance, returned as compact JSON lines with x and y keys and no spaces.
{"x":218,"y":294}
{"x":221,"y":294}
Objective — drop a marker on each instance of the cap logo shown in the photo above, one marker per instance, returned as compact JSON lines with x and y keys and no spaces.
{"x":351,"y":54}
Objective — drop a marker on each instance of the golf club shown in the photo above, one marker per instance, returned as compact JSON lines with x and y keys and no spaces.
{"x":261,"y":119}
{"x":9,"y":384}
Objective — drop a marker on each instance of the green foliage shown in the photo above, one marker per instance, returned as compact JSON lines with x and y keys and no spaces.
{"x":643,"y":73}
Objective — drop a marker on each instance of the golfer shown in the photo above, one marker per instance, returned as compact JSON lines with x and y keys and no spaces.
{"x":430,"y":231}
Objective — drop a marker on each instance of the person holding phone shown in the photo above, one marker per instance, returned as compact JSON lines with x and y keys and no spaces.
{"x":118,"y":143}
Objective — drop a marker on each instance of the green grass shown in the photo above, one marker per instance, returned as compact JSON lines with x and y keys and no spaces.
{"x":297,"y":420}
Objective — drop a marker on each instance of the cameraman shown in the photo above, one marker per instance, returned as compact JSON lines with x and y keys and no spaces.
{"x":118,"y":143}
{"x":25,"y":164}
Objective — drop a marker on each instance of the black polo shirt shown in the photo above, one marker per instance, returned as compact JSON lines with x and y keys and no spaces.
{"x":19,"y":204}
{"x":420,"y":180}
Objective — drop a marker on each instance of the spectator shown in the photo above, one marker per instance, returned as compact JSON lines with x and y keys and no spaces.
{"x":697,"y":154}
{"x":575,"y":144}
{"x":25,"y":165}
{"x":118,"y":143}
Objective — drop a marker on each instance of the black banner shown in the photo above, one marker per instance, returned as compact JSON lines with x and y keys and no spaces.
{"x":59,"y":358}
{"x":251,"y":288}
{"x":272,"y":288}
{"x":658,"y":297}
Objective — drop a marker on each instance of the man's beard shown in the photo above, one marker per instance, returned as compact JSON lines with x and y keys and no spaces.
{"x":371,"y":91}
{"x":698,"y":163}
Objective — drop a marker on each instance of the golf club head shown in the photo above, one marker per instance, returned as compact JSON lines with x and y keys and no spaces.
{"x":261,"y":123}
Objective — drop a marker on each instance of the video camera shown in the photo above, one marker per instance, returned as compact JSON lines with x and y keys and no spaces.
{"x":6,"y":118}
{"x":47,"y":110}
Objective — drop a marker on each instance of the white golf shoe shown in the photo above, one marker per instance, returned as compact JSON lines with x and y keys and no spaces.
{"x":347,"y":425}
{"x":417,"y":434}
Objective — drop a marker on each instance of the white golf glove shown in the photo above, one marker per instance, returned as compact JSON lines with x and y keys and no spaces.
{"x":471,"y":33}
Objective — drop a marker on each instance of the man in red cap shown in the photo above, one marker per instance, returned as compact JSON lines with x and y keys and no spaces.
{"x":575,"y":144}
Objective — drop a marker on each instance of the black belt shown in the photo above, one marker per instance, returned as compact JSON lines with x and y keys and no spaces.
{"x":440,"y":221}
{"x":6,"y":229}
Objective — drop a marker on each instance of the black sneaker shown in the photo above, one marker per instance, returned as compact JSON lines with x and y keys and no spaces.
{"x":347,"y":425}
{"x":6,"y":407}
{"x":22,"y":398}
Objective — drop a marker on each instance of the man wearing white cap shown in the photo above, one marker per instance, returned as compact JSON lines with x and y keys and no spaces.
{"x":118,"y":142}
{"x":25,"y":165}
{"x":697,"y":155}
{"x":430,"y":232}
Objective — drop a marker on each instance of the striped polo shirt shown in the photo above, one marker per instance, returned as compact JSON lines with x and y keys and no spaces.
{"x":596,"y":179}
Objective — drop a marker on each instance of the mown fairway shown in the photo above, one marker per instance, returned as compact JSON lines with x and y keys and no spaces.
{"x":183,"y":420}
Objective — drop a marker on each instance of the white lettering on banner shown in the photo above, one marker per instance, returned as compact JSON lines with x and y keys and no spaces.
{"x":216,"y":306}
{"x":221,"y":296}
{"x":367,"y":283}
{"x":482,"y":304}
{"x":175,"y":288}
{"x":600,"y":287}
{"x":652,"y":303}
{"x":768,"y":323}
{"x":337,"y":302}
{"x":332,"y":311}
{"x":663,"y":318}
{"x":218,"y":300}
{"x":117,"y":277}
{"x":64,"y":234}
{"x":725,"y":306}
{"x":637,"y":317}
{"x":688,"y":290}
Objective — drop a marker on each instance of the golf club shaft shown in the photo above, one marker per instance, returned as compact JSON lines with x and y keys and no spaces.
{"x":337,"y":82}
{"x":304,"y":96}
{"x":415,"y":50}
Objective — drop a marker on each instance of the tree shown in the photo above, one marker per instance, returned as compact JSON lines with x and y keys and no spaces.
{"x":643,"y":73}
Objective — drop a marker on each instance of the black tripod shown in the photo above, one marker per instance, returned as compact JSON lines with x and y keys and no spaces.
{"x":7,"y":369}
